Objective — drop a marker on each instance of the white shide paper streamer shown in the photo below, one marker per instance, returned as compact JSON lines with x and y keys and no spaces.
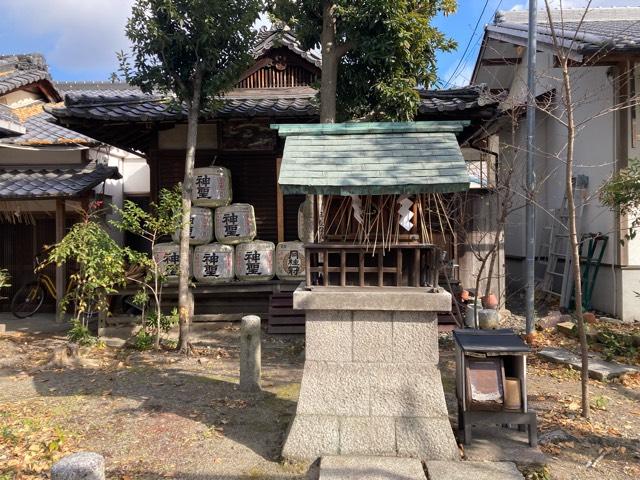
{"x":405,"y":212}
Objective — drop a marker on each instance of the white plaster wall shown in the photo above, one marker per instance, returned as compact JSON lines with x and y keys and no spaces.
{"x":31,"y":156}
{"x":135,"y":178}
{"x":633,"y":246}
{"x":630,"y":297}
{"x":595,"y":156}
{"x":176,"y":138}
{"x":633,"y":249}
{"x":19,"y":98}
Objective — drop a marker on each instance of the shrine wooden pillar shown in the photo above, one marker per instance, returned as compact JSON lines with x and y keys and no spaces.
{"x":60,"y":269}
{"x":279,"y":203}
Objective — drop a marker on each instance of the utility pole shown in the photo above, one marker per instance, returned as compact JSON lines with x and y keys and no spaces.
{"x":531,"y":126}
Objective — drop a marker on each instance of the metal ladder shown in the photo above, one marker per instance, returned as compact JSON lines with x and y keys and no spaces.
{"x":558,"y":264}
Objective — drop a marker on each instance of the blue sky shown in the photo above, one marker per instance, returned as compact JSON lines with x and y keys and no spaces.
{"x":79,"y":37}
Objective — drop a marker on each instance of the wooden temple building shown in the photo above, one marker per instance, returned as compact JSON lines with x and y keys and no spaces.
{"x":47,"y":171}
{"x":278,"y":90}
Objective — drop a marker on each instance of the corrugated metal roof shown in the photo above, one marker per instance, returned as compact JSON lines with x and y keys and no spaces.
{"x":373,"y":159}
{"x":52,"y":181}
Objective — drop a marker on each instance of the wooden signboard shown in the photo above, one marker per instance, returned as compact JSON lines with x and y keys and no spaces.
{"x":485,"y":383}
{"x":248,"y":136}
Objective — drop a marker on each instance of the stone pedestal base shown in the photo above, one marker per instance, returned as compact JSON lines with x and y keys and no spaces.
{"x":371,"y":385}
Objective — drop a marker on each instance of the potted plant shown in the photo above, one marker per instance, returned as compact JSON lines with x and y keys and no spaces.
{"x":489,"y":301}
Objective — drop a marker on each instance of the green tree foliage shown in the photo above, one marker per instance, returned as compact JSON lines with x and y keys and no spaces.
{"x":622,"y":192}
{"x":163,"y":218}
{"x":99,"y":267}
{"x":374,"y":52}
{"x":193,"y":50}
{"x":174,"y":42}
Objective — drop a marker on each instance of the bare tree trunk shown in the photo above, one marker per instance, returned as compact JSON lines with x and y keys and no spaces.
{"x":184,"y":314}
{"x":494,"y":250}
{"x":330,"y":59}
{"x":156,"y":299}
{"x":478,"y":278}
{"x":573,"y":236}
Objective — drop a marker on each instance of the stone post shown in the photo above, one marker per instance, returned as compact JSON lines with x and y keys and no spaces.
{"x":250,"y":354}
{"x":79,"y":466}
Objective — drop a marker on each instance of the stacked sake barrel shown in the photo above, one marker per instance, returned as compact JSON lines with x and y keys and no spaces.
{"x":235,"y":252}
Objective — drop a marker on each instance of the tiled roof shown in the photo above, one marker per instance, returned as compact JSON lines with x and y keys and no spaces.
{"x":52,"y":182}
{"x":456,"y":99}
{"x":41,"y":130}
{"x":273,"y":103}
{"x":603,"y":30}
{"x":372,"y":158}
{"x":124,"y":106}
{"x":277,"y":37}
{"x":9,"y":123}
{"x":104,"y":88}
{"x":18,"y":71}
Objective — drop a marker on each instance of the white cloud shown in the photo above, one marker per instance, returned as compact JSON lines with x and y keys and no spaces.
{"x":85,"y":33}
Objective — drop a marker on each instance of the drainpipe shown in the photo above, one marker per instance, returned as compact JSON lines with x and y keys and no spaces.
{"x":531,"y":124}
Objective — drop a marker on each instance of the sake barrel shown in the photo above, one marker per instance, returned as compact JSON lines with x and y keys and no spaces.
{"x":167,"y":256}
{"x":290,"y":261}
{"x":213,"y":263}
{"x":200,"y":227}
{"x":235,"y":223}
{"x":211,"y":187}
{"x":254,"y":260}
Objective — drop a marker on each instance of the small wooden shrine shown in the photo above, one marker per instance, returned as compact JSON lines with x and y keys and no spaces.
{"x":371,"y":385}
{"x":378,"y":215}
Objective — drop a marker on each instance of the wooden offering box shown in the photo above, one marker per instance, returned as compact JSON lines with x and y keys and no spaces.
{"x":491,"y":381}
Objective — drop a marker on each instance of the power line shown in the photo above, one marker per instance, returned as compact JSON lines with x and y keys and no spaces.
{"x":465,"y":54}
{"x":473,"y":34}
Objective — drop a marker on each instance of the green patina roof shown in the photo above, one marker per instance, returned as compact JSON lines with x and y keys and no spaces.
{"x":372,"y":158}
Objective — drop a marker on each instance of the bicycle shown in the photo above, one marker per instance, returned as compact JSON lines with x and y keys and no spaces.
{"x":30,"y":296}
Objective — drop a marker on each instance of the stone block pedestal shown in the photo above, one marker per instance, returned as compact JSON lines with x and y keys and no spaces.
{"x":371,"y":385}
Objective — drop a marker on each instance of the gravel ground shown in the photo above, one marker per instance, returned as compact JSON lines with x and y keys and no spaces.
{"x":160,"y":415}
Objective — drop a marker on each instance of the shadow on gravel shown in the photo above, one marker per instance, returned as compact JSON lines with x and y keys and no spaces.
{"x":258,"y":421}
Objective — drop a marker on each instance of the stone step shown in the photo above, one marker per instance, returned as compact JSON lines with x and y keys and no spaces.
{"x":439,"y":470}
{"x":371,"y":468}
{"x":598,"y":368}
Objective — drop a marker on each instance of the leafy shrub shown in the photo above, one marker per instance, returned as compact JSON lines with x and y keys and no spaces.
{"x":622,"y":191}
{"x":163,"y":218}
{"x":143,"y":340}
{"x":616,"y":345}
{"x":100,"y":268}
{"x":600,"y":402}
{"x":166,"y":322}
{"x":80,"y":334}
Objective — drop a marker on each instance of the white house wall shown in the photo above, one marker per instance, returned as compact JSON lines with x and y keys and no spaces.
{"x":595,"y":156}
{"x":135,"y":178}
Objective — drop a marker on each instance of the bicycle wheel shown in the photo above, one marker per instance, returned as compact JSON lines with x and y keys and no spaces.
{"x":27,"y":300}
